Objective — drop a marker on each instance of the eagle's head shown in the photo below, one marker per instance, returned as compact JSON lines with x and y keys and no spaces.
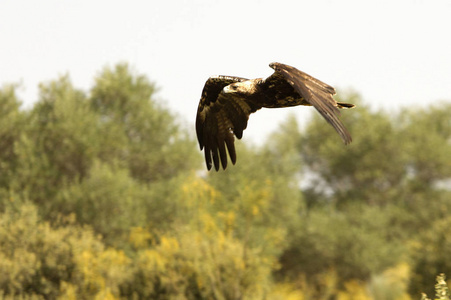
{"x":244,"y":88}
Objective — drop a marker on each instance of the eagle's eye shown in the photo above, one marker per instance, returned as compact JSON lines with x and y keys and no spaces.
{"x":231,"y":88}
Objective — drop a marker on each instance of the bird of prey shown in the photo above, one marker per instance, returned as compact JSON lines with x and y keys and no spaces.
{"x":227,"y":102}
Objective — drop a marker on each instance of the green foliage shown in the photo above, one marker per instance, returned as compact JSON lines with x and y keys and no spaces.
{"x":121,"y":212}
{"x":391,"y":284}
{"x":431,"y":255}
{"x":429,"y":160}
{"x":353,"y":243}
{"x":155,"y":147}
{"x":262,"y":192}
{"x":202,"y":260}
{"x":391,"y":155}
{"x":11,"y":129}
{"x":62,"y":135}
{"x":108,"y":199}
{"x":102,"y":196}
{"x":371,"y":169}
{"x":371,"y":199}
{"x":36,"y":258}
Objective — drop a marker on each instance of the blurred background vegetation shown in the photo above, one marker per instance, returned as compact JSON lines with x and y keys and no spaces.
{"x":104,"y":195}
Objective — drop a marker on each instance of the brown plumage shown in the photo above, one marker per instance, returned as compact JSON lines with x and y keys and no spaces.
{"x":227,"y":102}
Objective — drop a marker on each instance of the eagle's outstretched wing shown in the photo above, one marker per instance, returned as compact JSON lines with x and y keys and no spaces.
{"x":219,"y":117}
{"x":316,"y":93}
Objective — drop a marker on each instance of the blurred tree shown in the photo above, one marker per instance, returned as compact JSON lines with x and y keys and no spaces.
{"x":157,"y":148}
{"x":262,"y":192}
{"x":354,"y":243}
{"x":430,"y":255}
{"x":11,"y":130}
{"x":66,"y":135}
{"x":392,"y":156}
{"x":61,"y":141}
{"x":368,"y":199}
{"x":429,"y":131}
{"x":36,"y":258}
{"x":125,"y":211}
{"x":109,"y":200}
{"x":371,"y":169}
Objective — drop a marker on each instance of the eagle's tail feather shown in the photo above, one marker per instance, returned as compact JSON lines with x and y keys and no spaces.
{"x":345,"y":105}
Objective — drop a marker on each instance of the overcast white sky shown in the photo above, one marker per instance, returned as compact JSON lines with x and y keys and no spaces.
{"x":395,"y":53}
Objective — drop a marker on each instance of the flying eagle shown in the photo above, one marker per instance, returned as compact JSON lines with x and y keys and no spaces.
{"x":227,"y":102}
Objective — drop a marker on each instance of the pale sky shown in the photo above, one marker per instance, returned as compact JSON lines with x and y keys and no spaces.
{"x":394,"y":53}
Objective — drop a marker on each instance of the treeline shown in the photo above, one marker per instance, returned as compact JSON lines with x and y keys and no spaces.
{"x":104,"y":195}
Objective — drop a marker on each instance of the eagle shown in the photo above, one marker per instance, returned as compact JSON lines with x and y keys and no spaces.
{"x":227,"y":101}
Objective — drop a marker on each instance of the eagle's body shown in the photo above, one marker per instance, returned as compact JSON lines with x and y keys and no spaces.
{"x":227,"y":102}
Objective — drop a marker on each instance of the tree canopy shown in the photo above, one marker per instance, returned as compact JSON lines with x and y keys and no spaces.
{"x":103,"y":195}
